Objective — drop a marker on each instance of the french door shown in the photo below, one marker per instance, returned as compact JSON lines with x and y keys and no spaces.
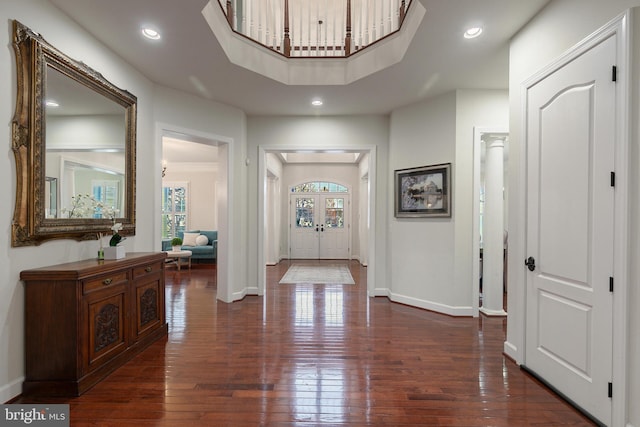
{"x":319,"y":227}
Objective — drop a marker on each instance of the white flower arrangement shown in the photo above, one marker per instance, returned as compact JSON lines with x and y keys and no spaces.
{"x":86,"y":206}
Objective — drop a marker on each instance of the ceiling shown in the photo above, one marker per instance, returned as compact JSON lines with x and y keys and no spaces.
{"x":189,"y":58}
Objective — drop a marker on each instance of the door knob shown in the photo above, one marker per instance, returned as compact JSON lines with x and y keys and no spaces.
{"x":530,"y":263}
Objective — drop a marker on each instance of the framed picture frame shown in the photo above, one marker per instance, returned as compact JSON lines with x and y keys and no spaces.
{"x":423,"y":192}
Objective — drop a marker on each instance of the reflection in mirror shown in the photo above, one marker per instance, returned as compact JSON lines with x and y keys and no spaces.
{"x":99,"y":187}
{"x":74,"y":143}
{"x":90,"y":129}
{"x":51,"y":197}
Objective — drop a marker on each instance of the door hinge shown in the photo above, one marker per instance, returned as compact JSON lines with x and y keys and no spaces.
{"x":610,"y":390}
{"x":613,"y":179}
{"x":614,"y":73}
{"x":610,"y":284}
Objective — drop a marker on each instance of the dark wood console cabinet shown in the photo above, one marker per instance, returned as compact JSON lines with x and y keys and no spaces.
{"x":85,"y":319}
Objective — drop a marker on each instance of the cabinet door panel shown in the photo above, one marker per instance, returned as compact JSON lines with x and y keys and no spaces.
{"x":149,"y":303}
{"x":107,"y":327}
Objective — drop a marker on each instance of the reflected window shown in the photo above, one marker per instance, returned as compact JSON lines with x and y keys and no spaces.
{"x":174,"y":208}
{"x":107,"y":193}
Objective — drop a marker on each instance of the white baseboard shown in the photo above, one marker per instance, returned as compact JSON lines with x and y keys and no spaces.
{"x":511,"y":351}
{"x":432,"y":306}
{"x":251,"y":290}
{"x":11,"y":390}
{"x":381,"y":292}
{"x":237,"y":296}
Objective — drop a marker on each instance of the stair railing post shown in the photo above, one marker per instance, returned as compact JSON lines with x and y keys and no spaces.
{"x":230,"y":14}
{"x":403,"y":12}
{"x":287,"y":40}
{"x":347,"y":39}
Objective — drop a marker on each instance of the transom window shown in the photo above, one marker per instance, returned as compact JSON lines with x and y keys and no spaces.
{"x":319,"y":187}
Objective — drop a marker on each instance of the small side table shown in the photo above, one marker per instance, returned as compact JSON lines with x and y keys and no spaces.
{"x":178,"y":256}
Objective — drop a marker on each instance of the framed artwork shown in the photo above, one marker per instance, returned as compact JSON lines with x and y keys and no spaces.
{"x":423,"y":191}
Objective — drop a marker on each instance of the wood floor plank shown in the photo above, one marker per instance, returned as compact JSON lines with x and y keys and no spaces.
{"x":310,"y":355}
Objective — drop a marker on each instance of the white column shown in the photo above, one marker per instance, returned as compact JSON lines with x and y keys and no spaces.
{"x":493,"y":230}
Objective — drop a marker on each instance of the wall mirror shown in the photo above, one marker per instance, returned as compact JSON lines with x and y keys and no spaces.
{"x":74,"y":141}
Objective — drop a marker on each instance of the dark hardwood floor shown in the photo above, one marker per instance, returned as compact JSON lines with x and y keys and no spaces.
{"x":311,"y":355}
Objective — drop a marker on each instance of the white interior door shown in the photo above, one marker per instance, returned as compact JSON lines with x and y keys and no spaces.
{"x":319,"y":227}
{"x":570,"y":226}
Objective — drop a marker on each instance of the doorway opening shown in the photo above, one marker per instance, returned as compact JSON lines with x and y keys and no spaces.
{"x":194,"y":199}
{"x":280,"y":169}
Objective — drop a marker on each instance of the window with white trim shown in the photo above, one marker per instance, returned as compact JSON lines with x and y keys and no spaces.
{"x":175,"y":196}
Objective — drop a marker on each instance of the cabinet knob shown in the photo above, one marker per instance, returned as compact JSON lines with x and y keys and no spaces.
{"x":148,"y":269}
{"x":107,"y":282}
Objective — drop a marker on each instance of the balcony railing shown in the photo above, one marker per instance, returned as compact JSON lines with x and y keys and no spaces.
{"x":315,"y":28}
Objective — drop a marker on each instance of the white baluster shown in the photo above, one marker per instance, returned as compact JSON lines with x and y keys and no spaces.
{"x":390,"y":17}
{"x":249,"y":15}
{"x":244,"y":17}
{"x":367,"y":27}
{"x":360,"y":23}
{"x":326,"y":26}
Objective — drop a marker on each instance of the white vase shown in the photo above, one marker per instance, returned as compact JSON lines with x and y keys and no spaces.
{"x":176,"y":248}
{"x":114,"y":252}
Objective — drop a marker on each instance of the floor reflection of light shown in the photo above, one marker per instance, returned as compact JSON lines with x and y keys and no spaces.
{"x":482,"y":372}
{"x":176,"y":317}
{"x":176,"y":312}
{"x":320,"y":382}
{"x":304,"y":308}
{"x":318,"y":391}
{"x":334,"y":307}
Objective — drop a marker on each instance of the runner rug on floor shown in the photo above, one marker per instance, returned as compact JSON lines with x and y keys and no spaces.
{"x":326,"y":274}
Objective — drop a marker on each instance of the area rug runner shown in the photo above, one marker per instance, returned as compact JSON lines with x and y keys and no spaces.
{"x":326,"y":274}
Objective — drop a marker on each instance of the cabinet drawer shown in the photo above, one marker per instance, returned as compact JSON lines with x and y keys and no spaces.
{"x":104,"y":282}
{"x":148,"y":269}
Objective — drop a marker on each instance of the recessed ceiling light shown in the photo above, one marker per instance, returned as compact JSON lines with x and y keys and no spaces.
{"x":316,"y":102}
{"x":472,"y":32}
{"x":150,"y":33}
{"x":52,"y":103}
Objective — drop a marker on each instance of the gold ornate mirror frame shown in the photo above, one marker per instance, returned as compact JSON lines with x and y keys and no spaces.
{"x":34,"y":57}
